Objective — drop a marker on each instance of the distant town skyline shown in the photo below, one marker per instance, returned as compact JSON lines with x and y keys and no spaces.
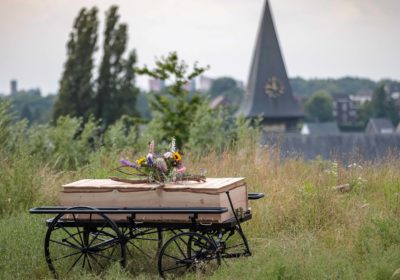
{"x":319,"y":39}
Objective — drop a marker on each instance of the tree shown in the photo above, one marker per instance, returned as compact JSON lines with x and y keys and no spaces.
{"x":383,"y":105}
{"x":379,"y":102}
{"x":116,"y":91}
{"x":222,"y":85}
{"x":319,"y":107}
{"x":228,"y":88}
{"x":32,"y":106}
{"x":113,"y":93}
{"x":174,"y":108}
{"x":75,"y":96}
{"x":365,"y":112}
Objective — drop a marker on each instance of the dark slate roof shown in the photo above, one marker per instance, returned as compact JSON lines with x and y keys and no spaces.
{"x":323,"y":128}
{"x":380,"y":125}
{"x":268,"y":66}
{"x":218,"y":101}
{"x":340,"y":96}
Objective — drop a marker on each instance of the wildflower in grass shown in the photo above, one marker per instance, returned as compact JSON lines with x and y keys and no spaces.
{"x":161,"y":165}
{"x":125,"y":162}
{"x":149,"y":159}
{"x":355,"y":166}
{"x":151,"y":147}
{"x":177,"y":156}
{"x":173,"y":145}
{"x":332,"y":169}
{"x":181,"y":169}
{"x":140,"y":161}
{"x":168,"y":155}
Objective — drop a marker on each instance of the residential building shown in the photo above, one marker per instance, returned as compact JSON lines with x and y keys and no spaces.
{"x":379,"y":125}
{"x":322,"y":128}
{"x":344,"y":109}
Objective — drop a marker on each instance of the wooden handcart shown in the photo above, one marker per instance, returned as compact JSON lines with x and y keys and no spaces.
{"x":92,"y":238}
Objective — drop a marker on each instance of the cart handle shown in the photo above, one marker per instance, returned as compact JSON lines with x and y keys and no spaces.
{"x":125,"y":210}
{"x":254,"y":196}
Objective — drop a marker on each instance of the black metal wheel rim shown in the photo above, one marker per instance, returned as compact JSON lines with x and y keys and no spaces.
{"x":187,"y":252}
{"x":91,"y":243}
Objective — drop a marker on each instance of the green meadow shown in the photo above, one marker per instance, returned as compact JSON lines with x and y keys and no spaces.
{"x":305,"y":227}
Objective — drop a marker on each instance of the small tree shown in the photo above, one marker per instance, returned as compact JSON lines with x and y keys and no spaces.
{"x":383,"y":105}
{"x":319,"y":107}
{"x":116,"y":92}
{"x":228,"y":88}
{"x":75,"y":97}
{"x":222,"y":85}
{"x":175,"y":107}
{"x":365,"y":112}
{"x":380,"y":102}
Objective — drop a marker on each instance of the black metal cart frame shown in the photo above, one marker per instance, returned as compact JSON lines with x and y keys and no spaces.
{"x":89,"y":238}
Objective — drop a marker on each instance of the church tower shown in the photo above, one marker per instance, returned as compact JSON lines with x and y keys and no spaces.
{"x":269,"y":94}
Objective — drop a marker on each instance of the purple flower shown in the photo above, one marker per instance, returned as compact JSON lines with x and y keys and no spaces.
{"x":125,"y":162}
{"x":150,"y":159}
{"x":161,"y":165}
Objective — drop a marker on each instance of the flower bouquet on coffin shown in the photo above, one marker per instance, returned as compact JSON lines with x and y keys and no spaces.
{"x":157,"y":168}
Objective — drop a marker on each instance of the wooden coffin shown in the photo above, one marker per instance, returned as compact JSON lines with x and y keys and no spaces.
{"x":109,"y":193}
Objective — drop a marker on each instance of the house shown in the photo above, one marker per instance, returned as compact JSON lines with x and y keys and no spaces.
{"x":344,"y":109}
{"x":379,"y":125}
{"x":322,"y":128}
{"x":361,"y":97}
{"x":398,"y":128}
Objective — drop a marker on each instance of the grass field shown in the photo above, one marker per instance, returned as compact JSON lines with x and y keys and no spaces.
{"x":303,"y":229}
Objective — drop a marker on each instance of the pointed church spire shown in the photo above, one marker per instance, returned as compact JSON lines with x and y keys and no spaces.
{"x":268,"y":90}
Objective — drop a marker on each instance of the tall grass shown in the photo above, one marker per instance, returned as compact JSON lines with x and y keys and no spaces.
{"x":303,"y":229}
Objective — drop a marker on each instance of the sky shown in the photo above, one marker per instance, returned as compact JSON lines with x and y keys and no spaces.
{"x":319,"y":38}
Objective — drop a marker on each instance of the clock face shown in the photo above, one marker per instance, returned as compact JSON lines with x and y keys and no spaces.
{"x":274,"y":87}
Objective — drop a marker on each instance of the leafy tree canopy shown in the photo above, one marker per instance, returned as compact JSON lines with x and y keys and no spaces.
{"x":175,"y":107}
{"x":113,"y":93}
{"x":383,"y":105}
{"x":319,"y":107}
{"x":228,"y":88}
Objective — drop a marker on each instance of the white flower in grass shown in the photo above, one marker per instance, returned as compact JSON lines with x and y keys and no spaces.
{"x":168,"y":155}
{"x":173,"y":145}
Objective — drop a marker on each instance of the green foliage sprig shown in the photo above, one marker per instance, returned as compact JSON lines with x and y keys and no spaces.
{"x":174,"y":107}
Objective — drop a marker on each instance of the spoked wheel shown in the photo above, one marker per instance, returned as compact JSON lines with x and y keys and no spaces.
{"x":187,"y":252}
{"x":142,"y":248}
{"x":90,"y":244}
{"x":232,"y":243}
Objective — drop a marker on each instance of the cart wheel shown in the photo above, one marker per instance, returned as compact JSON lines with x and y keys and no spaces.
{"x":187,"y":251}
{"x":232,"y":243}
{"x":143,"y":246}
{"x":90,"y":244}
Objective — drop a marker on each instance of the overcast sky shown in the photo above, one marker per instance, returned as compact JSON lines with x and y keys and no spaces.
{"x":319,"y":38}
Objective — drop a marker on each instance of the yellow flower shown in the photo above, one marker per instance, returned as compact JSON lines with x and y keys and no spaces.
{"x":140,"y":161}
{"x":177,"y":156}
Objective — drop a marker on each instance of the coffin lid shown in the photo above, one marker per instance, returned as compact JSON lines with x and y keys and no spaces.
{"x":211,"y":186}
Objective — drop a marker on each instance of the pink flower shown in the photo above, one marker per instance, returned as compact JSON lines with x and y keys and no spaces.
{"x":181,"y":170}
{"x":151,"y":147}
